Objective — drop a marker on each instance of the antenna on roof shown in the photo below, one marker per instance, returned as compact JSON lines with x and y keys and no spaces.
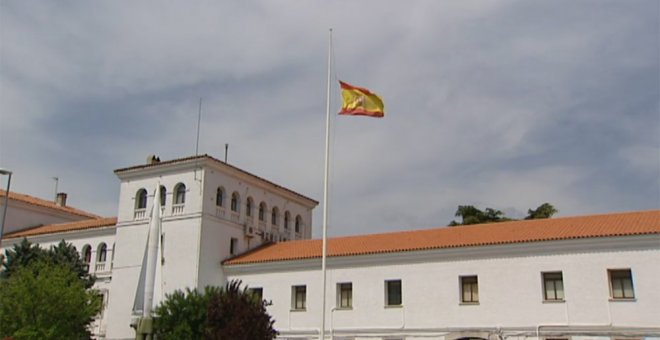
{"x":226,"y":151}
{"x":57,"y":179}
{"x":199,"y":119}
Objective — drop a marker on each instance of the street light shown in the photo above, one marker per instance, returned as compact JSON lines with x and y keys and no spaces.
{"x":4,"y":213}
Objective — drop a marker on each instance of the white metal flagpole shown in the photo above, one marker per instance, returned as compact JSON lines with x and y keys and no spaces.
{"x":325,"y":191}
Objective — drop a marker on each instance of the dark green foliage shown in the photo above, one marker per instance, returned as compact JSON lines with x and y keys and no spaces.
{"x":46,"y":301}
{"x":218,"y":313}
{"x":545,"y":210}
{"x":19,"y":256}
{"x":182,"y":315}
{"x":472,"y":215}
{"x":238,"y":315}
{"x":63,"y":253}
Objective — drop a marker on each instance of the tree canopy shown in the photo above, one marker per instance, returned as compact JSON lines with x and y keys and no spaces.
{"x":25,"y":253}
{"x":42,"y":300}
{"x":230,"y":312}
{"x":472,"y":215}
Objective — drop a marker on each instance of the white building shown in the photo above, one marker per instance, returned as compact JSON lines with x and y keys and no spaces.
{"x":577,"y":278}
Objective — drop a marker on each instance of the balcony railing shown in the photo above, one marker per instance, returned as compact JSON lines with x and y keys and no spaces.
{"x":220,"y":212}
{"x":100,"y":267}
{"x":140,"y":214}
{"x":177,"y":209}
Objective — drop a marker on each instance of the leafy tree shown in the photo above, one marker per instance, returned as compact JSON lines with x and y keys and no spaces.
{"x":545,"y":210}
{"x":217,"y":313}
{"x":472,"y":215}
{"x":21,"y":255}
{"x":182,"y":315}
{"x":239,"y":315}
{"x":46,"y":301}
{"x":63,"y":253}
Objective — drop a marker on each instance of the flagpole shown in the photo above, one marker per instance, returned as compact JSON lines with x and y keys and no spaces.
{"x":325,"y":190}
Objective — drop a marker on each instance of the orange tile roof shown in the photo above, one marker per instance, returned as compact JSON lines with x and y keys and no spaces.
{"x":607,"y":225}
{"x":64,"y":227}
{"x":45,"y":204}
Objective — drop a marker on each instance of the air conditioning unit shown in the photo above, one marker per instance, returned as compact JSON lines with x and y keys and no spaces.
{"x":248,"y":231}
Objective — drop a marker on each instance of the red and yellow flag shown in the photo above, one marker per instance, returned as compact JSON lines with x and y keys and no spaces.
{"x":357,"y":101}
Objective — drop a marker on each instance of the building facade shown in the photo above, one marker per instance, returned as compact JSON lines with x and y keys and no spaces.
{"x":575,"y":278}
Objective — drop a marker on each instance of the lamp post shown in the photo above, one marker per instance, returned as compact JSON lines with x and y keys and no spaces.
{"x":4,"y":213}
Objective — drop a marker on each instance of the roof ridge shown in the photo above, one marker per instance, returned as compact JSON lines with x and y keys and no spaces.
{"x":33,"y":200}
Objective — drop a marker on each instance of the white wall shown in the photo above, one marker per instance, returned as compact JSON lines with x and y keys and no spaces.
{"x":510,"y":289}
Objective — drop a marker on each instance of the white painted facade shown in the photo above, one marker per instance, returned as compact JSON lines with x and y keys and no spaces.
{"x":198,"y":233}
{"x":511,"y":302}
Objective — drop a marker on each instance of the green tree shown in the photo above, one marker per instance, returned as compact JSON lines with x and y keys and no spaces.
{"x":46,"y":301}
{"x":63,"y":253}
{"x":472,"y":215}
{"x":21,"y":255}
{"x":545,"y":210}
{"x":217,"y":313}
{"x":182,"y":315}
{"x":239,"y":315}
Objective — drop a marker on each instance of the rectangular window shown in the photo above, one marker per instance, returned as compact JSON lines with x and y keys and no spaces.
{"x":469,"y":289}
{"x":553,"y":286}
{"x":299,"y":297}
{"x":393,"y":293}
{"x":233,"y":246}
{"x":258,"y":292}
{"x":345,"y":295}
{"x":621,"y":285}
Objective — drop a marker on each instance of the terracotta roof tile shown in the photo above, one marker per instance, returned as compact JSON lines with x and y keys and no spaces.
{"x":607,"y":225}
{"x":63,"y":227}
{"x":46,"y":204}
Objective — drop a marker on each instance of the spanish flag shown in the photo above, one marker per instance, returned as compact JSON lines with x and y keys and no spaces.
{"x":357,"y":101}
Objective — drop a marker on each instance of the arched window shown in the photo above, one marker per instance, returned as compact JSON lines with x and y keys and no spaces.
{"x":262,"y":211}
{"x":274,"y":216}
{"x":248,"y":207}
{"x":101,"y":253}
{"x":163,"y":195}
{"x":141,"y":199}
{"x":180,"y":194}
{"x":112,"y":257}
{"x":298,"y":223}
{"x":87,"y":253}
{"x":287,"y":217}
{"x":220,"y":197}
{"x":235,"y":201}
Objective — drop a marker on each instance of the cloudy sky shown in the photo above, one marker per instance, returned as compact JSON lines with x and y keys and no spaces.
{"x":503,"y":104}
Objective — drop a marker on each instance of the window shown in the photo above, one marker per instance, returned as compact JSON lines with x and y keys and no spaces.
{"x":235,"y":200}
{"x":345,"y":295}
{"x":298,"y":297}
{"x":257,"y":292}
{"x":287,"y":217}
{"x":233,"y":246}
{"x":469,"y":289}
{"x":553,"y":286}
{"x":298,"y":223}
{"x":621,"y":285}
{"x":262,"y":211}
{"x":393,"y":293}
{"x":141,"y":199}
{"x":274,"y":215}
{"x":112,"y":257}
{"x":87,"y":253}
{"x":163,"y":195}
{"x":180,"y":194}
{"x":248,"y":207}
{"x":220,"y":197}
{"x":102,"y":253}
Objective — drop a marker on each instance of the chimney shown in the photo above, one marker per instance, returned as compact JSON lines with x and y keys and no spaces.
{"x":60,"y":199}
{"x":153,"y":159}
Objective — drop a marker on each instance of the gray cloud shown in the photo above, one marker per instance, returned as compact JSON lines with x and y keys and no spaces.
{"x":506,"y":104}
